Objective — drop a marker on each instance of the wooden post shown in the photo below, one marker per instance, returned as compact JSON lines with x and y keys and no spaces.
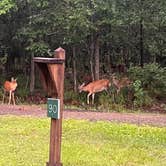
{"x":57,"y":75}
{"x":52,"y":75}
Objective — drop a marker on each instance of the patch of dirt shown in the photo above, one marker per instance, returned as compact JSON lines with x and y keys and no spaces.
{"x":134,"y":118}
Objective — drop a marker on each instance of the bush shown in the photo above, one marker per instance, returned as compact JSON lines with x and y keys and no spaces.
{"x":105,"y":101}
{"x":152,"y":77}
{"x":141,"y":98}
{"x":71,"y":98}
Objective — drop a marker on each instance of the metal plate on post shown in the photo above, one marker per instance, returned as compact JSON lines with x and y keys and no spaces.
{"x":53,"y":108}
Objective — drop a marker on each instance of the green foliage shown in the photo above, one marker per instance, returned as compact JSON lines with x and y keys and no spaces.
{"x":24,"y":141}
{"x":1,"y":93}
{"x":152,"y":77}
{"x":38,"y":25}
{"x":21,"y":95}
{"x":104,"y":102}
{"x":138,"y":93}
{"x":5,"y":6}
{"x":22,"y":90}
{"x":3,"y":59}
{"x":113,"y":102}
{"x":140,"y":96}
{"x":39,"y":48}
{"x":70,"y":95}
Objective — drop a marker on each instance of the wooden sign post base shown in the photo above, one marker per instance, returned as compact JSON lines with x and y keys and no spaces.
{"x":56,"y":164}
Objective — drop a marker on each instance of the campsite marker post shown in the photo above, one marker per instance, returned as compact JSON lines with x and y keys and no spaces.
{"x":52,"y":78}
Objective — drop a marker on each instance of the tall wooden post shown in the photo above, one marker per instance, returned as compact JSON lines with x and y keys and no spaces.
{"x":52,"y":75}
{"x":57,"y":75}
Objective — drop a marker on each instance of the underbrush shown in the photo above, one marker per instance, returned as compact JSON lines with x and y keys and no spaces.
{"x":152,"y":78}
{"x":111,"y":102}
{"x":148,"y":89}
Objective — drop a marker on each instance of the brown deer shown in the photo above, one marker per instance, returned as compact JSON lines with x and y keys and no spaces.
{"x":119,"y":84}
{"x":10,"y":86}
{"x":94,"y":87}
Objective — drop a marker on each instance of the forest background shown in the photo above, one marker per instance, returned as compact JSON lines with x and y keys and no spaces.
{"x":125,"y":37}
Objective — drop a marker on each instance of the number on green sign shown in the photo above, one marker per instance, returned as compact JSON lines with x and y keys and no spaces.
{"x":53,"y":108}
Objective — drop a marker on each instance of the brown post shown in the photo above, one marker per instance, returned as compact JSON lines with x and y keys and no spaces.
{"x":52,"y":76}
{"x":57,"y":75}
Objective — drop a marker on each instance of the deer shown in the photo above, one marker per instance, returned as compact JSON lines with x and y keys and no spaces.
{"x":94,"y":87}
{"x":119,"y":84}
{"x":10,"y":86}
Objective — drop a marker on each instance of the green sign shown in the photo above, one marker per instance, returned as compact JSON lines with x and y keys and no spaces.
{"x":53,"y":108}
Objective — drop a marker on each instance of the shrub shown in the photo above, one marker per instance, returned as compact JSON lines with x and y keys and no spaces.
{"x":152,"y":77}
{"x":105,"y":101}
{"x":72,"y":98}
{"x":141,"y":98}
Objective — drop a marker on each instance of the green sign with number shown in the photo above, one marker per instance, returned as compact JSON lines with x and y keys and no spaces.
{"x":53,"y":108}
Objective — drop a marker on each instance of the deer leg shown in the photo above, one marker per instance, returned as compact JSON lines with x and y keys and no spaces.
{"x":13,"y":98}
{"x":10,"y":93}
{"x":118,"y":90}
{"x":93,"y":96}
{"x":108,"y":91}
{"x":116,"y":95}
{"x":88,"y":98}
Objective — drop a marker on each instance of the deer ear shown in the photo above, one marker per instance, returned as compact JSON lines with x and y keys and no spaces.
{"x":82,"y":85}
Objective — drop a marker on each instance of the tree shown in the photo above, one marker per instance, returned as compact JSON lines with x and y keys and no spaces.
{"x":143,"y":19}
{"x":96,"y":34}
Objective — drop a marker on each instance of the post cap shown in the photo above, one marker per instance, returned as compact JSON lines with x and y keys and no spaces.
{"x":60,"y":49}
{"x":59,"y":53}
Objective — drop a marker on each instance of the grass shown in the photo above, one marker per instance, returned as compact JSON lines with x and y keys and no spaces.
{"x":24,"y":141}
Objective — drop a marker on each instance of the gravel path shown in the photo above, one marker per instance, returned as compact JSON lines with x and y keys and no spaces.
{"x":139,"y":118}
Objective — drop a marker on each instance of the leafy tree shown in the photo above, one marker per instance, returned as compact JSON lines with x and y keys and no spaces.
{"x":96,"y":34}
{"x":144,"y":22}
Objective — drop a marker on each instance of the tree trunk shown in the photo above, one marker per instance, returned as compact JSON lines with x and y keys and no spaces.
{"x":108,"y":58}
{"x":141,"y":34}
{"x":92,"y":57}
{"x":32,"y":75}
{"x":74,"y":69}
{"x":141,"y":44}
{"x":97,"y":59}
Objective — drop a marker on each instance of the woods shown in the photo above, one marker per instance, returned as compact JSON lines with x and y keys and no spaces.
{"x":100,"y":38}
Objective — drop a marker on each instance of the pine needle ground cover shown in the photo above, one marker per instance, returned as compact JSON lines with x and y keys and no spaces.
{"x":24,"y":141}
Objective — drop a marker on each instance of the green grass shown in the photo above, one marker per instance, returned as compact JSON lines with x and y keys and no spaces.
{"x":24,"y":141}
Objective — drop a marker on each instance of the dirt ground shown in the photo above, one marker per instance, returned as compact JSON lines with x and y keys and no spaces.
{"x":154,"y":119}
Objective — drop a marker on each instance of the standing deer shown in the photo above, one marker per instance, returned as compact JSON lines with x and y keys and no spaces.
{"x":94,"y":87}
{"x":119,"y":84}
{"x":10,"y":86}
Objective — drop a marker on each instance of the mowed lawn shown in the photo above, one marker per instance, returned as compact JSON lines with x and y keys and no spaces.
{"x":24,"y":141}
